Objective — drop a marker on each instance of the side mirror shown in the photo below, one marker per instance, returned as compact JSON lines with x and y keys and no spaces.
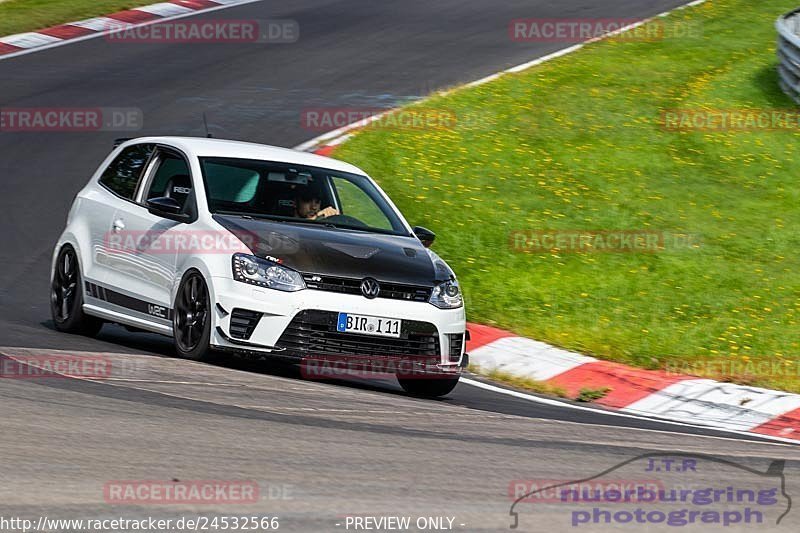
{"x":425,"y":236}
{"x":166,"y":208}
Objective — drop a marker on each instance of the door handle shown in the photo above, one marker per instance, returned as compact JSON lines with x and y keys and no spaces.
{"x":118,"y":225}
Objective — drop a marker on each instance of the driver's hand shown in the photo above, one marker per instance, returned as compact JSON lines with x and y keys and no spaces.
{"x":327,"y":212}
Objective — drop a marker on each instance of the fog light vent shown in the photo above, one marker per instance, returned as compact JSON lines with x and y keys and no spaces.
{"x":456,"y":346}
{"x":243,"y":323}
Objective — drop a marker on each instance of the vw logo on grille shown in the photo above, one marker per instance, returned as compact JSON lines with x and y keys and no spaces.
{"x":370,"y":288}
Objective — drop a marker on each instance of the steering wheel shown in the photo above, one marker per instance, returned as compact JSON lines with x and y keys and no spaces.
{"x":344,"y":219}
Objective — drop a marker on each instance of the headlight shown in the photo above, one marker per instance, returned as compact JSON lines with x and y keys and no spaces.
{"x":447,"y":295}
{"x":255,"y":271}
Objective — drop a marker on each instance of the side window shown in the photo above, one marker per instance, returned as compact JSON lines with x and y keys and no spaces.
{"x":358,"y":204}
{"x":230,"y":184}
{"x":122,"y":175}
{"x":171,"y":179}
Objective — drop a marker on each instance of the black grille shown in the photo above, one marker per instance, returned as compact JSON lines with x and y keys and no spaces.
{"x":314,"y":333}
{"x":456,"y":344}
{"x":243,"y":323}
{"x":393,"y":291}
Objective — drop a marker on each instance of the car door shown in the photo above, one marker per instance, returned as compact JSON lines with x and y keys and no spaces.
{"x":144,"y":272}
{"x":118,"y":184}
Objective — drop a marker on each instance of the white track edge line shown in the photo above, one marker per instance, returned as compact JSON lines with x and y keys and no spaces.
{"x":557,"y":403}
{"x":116,"y":30}
{"x":767,"y":439}
{"x":318,"y":140}
{"x":267,"y":409}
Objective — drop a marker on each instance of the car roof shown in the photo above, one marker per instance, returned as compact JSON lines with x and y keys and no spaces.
{"x":206,"y":147}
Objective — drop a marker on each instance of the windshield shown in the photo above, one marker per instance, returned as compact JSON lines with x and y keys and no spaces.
{"x":298,"y":194}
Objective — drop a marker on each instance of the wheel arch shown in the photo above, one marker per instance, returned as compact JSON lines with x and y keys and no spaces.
{"x":193,"y":265}
{"x":67,"y":240}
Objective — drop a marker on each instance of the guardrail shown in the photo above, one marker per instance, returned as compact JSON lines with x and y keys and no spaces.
{"x":788,"y":27}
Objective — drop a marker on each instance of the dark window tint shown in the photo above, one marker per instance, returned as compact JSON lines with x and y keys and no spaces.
{"x":123,"y":174}
{"x":292,"y":192}
{"x":172,"y":179}
{"x":169,"y":167}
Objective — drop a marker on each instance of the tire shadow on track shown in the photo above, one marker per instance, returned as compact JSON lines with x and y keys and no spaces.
{"x":151,"y":344}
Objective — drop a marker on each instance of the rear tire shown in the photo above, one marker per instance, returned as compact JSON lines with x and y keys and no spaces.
{"x":191,"y":321}
{"x":66,"y":296}
{"x":429,"y":388}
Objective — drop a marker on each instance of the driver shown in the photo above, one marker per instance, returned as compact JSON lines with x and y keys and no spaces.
{"x":308,"y":205}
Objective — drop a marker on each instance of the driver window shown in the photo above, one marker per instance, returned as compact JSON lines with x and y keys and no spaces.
{"x":355,"y":202}
{"x":171,"y":179}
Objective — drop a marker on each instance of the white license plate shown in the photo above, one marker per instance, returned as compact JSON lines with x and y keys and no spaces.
{"x":369,"y":325}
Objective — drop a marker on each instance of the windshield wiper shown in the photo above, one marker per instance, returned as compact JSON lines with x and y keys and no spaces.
{"x":311,"y":221}
{"x":292,"y":220}
{"x":249,"y":216}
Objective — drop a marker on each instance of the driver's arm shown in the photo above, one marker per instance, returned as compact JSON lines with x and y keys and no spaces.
{"x":327,"y":212}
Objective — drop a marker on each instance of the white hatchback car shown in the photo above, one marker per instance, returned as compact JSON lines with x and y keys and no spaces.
{"x":259,"y":250}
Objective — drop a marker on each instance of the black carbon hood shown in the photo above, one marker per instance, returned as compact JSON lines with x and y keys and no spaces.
{"x":335,"y":252}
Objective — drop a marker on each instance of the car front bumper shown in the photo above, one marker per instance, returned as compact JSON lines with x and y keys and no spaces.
{"x":300,"y":325}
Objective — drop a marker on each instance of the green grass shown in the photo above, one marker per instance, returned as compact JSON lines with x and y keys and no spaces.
{"x":17,"y":16}
{"x":589,"y":395}
{"x":527,"y":384}
{"x":575,"y":144}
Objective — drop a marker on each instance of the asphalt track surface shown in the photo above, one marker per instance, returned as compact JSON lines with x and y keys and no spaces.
{"x":319,"y":451}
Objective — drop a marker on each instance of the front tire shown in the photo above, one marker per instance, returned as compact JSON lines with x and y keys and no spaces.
{"x":429,"y":388}
{"x":191,"y":321}
{"x":66,"y":297}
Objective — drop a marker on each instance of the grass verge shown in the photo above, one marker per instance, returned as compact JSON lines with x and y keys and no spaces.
{"x":17,"y":16}
{"x":527,"y":384}
{"x":578,"y":144}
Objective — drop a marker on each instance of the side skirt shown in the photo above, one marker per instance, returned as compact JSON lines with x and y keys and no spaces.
{"x":126,"y":309}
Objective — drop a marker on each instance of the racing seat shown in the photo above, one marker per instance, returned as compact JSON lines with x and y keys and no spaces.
{"x":179,"y":187}
{"x":279,"y":199}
